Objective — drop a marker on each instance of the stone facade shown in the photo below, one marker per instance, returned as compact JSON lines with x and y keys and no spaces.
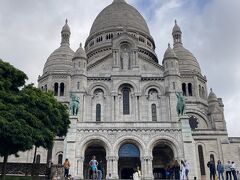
{"x":127,"y":99}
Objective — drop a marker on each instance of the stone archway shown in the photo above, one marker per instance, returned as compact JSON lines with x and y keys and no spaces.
{"x":97,"y":149}
{"x":129,"y":160}
{"x":163,"y":156}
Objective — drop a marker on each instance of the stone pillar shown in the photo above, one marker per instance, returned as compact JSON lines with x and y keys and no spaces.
{"x":147,"y":171}
{"x":189,"y":147}
{"x":79,"y":168}
{"x":70,"y":145}
{"x":112,"y":167}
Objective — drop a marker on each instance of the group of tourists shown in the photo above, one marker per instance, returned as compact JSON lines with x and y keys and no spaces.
{"x":229,"y":168}
{"x":178,"y":171}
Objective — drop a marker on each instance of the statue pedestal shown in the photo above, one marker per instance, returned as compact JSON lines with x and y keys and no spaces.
{"x":186,"y":129}
{"x":189,"y":147}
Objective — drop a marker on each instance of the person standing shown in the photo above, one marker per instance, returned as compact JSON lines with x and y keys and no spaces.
{"x":183,"y":171}
{"x":187,"y":166}
{"x":211,"y":166}
{"x":228,"y":171}
{"x":220,"y":170}
{"x":176,"y":170}
{"x":137,"y":174}
{"x":233,"y":171}
{"x":93,"y":164}
{"x":66,"y":166}
{"x":100,"y":170}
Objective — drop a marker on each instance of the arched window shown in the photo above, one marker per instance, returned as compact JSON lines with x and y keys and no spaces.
{"x":190,"y":89}
{"x":203,"y":93}
{"x":184,"y":89}
{"x":38,"y":159}
{"x":212,"y":157}
{"x":126,"y":107}
{"x":62,"y":89}
{"x":46,"y":87}
{"x":201,"y":160}
{"x":98,"y":112}
{"x":129,"y":150}
{"x":174,"y":85}
{"x":200,"y":91}
{"x":56,"y":89}
{"x":78,"y":85}
{"x":60,"y":158}
{"x":154,"y":112}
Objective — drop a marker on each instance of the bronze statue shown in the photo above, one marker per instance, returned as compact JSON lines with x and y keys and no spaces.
{"x":74,"y":105}
{"x":180,"y":104}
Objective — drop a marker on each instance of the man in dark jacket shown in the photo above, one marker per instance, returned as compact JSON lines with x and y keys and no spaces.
{"x":211,"y":166}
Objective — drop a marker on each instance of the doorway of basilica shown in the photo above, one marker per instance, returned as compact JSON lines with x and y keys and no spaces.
{"x":162,"y":157}
{"x":100,"y":153}
{"x":129,"y":160}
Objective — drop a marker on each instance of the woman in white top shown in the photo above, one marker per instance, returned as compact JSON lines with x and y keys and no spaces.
{"x":183,"y":171}
{"x":137,"y":175}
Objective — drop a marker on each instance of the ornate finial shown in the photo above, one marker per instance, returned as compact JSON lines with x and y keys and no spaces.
{"x":175,"y":21}
{"x":80,"y":44}
{"x":169,"y":46}
{"x":66,"y":21}
{"x":211,"y":90}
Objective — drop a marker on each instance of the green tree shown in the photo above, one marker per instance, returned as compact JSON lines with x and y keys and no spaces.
{"x":28,"y":116}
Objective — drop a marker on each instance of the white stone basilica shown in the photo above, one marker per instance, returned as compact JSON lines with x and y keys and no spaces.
{"x":127,"y":113}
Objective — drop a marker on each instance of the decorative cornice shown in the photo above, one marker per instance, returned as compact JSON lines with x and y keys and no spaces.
{"x":115,"y":130}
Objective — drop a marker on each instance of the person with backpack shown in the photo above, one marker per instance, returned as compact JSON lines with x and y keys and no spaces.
{"x":228,"y":171}
{"x":220,"y":170}
{"x":233,"y":170}
{"x":211,"y":166}
{"x":66,"y":166}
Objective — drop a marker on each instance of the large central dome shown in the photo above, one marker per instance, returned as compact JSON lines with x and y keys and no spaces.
{"x":119,"y":14}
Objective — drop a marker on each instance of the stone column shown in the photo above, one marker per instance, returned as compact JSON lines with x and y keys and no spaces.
{"x":112,"y":167}
{"x":147,"y":171}
{"x":79,"y":168}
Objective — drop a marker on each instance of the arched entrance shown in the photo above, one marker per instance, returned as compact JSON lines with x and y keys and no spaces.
{"x":162,"y":157}
{"x":129,"y":160}
{"x":94,"y":149}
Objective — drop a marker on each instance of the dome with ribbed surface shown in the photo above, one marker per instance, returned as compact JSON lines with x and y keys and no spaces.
{"x":80,"y":53}
{"x":169,"y":53}
{"x":66,"y":28}
{"x":176,"y":28}
{"x":60,"y":60}
{"x":212,"y":97}
{"x":119,"y":14}
{"x":187,"y":61}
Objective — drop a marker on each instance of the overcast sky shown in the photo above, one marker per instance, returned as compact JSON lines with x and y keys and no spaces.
{"x":30,"y":32}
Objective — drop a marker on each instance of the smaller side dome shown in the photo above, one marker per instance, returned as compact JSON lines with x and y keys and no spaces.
{"x":66,"y":28}
{"x":212,"y":98}
{"x":80,"y":53}
{"x":169,"y":53}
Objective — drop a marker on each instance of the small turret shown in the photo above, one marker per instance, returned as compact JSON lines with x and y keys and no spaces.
{"x":177,"y":34}
{"x":65,"y":33}
{"x":170,"y":62}
{"x":80,"y":60}
{"x":216,"y":111}
{"x":79,"y":69}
